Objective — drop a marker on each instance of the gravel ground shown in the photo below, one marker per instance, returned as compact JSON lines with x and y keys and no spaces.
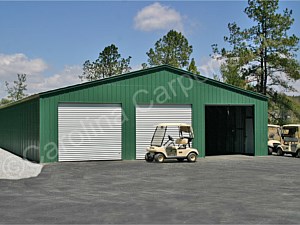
{"x":13,"y":167}
{"x":214,"y":190}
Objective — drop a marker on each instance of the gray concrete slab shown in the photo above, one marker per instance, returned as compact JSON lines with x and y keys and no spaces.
{"x":217,"y":189}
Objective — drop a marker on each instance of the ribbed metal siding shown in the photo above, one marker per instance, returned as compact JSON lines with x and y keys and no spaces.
{"x":160,"y":87}
{"x":147,"y":117}
{"x":89,"y":132}
{"x":19,"y":129}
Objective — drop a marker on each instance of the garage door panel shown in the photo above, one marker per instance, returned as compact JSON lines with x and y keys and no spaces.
{"x":148,"y":117}
{"x":89,"y":132}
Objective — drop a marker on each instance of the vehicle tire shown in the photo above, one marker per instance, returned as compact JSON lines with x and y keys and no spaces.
{"x":159,"y":157}
{"x":270,"y":150}
{"x":180,"y":159}
{"x":279,"y":152}
{"x":298,"y":153}
{"x":148,"y":157}
{"x":192,"y":157}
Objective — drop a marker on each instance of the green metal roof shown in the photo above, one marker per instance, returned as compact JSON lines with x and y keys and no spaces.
{"x":142,"y":73}
{"x":21,"y":101}
{"x":151,"y":70}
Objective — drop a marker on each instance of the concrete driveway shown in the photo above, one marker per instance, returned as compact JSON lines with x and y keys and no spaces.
{"x":218,"y":189}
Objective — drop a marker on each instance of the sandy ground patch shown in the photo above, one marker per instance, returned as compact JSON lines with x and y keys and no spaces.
{"x":13,"y":167}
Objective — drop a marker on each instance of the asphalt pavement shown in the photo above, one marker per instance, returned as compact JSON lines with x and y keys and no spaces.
{"x":218,"y":189}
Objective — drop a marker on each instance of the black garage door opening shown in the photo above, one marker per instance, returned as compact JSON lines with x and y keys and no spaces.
{"x":229,"y":130}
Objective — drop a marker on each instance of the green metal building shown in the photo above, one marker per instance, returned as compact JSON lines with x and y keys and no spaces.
{"x":114,"y":118}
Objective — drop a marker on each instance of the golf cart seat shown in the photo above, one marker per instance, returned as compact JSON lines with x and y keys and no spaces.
{"x":182,"y":142}
{"x":290,"y":139}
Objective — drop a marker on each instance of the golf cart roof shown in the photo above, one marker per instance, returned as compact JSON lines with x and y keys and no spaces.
{"x":291,"y":125}
{"x":272,"y":125}
{"x":173,"y":124}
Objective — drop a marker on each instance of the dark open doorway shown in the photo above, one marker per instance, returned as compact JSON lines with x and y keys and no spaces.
{"x":229,"y":130}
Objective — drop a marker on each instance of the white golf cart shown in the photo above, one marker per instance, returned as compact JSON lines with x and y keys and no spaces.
{"x":290,"y":140}
{"x":274,"y":138}
{"x":163,"y":146}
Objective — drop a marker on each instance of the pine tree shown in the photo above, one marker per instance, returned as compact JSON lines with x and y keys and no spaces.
{"x":172,"y":49}
{"x":109,"y":63}
{"x":264,"y":53}
{"x":263,"y":57}
{"x":193,"y":68}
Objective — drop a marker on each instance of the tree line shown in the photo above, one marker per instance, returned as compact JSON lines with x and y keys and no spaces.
{"x":260,"y":58}
{"x":172,"y":49}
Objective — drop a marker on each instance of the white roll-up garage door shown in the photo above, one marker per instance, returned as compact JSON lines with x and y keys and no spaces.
{"x":89,"y":132}
{"x":147,"y":117}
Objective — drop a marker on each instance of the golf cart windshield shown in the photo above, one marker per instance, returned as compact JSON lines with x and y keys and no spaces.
{"x":274,"y":133}
{"x":171,"y":131}
{"x":158,"y":136}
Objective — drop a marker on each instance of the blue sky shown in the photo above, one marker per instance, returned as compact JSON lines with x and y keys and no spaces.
{"x":50,"y":40}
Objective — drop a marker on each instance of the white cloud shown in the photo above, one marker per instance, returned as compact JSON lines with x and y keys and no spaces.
{"x":209,"y":67}
{"x":158,"y":17}
{"x":136,"y":67}
{"x":11,"y":65}
{"x":68,"y":76}
{"x":295,"y":85}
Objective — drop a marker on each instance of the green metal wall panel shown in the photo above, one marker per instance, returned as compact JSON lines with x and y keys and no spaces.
{"x":19,"y":129}
{"x":261,"y":129}
{"x":150,"y":87}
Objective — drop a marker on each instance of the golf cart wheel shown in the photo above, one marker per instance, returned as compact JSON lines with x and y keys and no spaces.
{"x":180,"y":159}
{"x":270,"y":150}
{"x":192,"y":157}
{"x":298,"y":153}
{"x":159,"y":158}
{"x":148,"y":157}
{"x":279,"y":152}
